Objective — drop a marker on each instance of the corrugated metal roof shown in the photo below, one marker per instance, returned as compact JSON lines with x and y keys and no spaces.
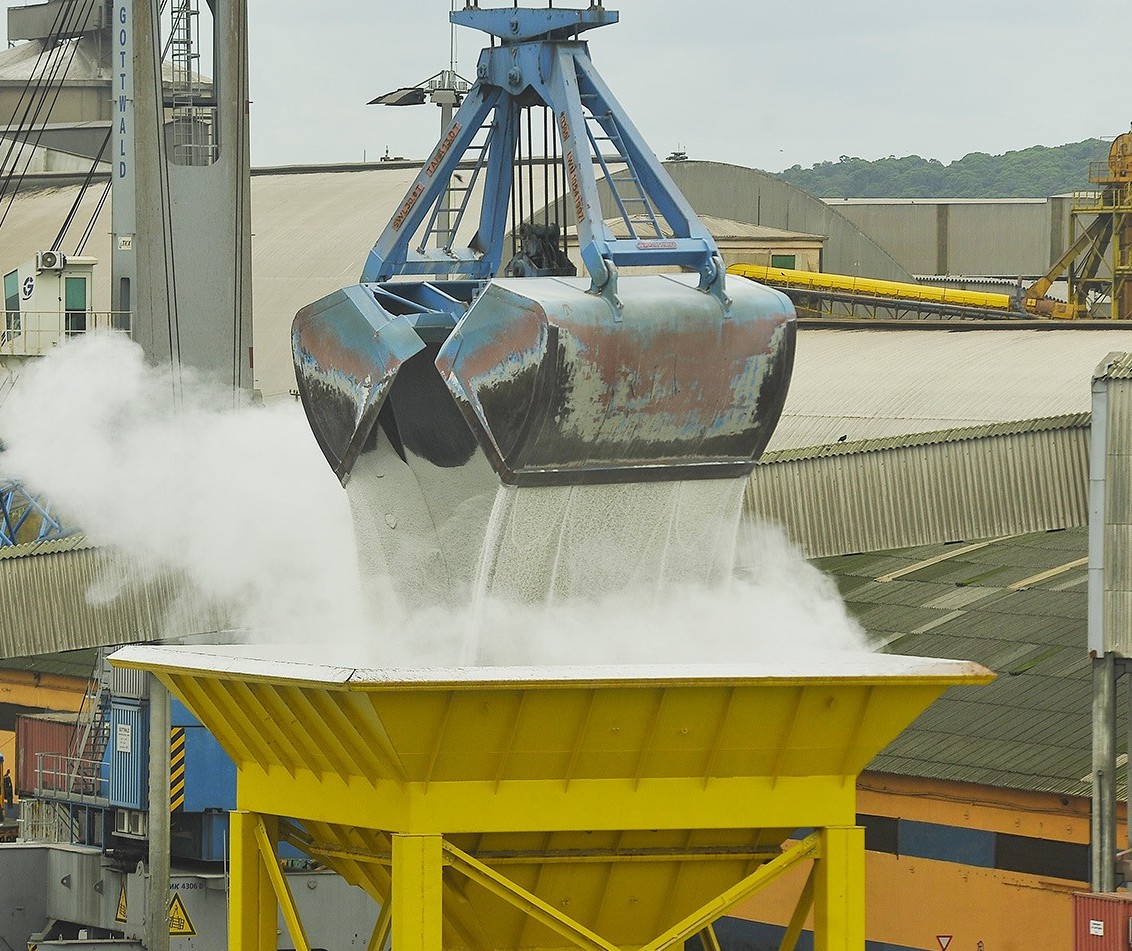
{"x":48,"y":605}
{"x":78,"y":663}
{"x":74,"y":542}
{"x":886,"y":493}
{"x":1030,"y":729}
{"x":852,"y":385}
{"x":939,"y":437}
{"x":77,"y":59}
{"x":1115,"y":366}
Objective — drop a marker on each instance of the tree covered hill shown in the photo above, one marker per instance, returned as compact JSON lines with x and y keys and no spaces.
{"x":1036,"y":172}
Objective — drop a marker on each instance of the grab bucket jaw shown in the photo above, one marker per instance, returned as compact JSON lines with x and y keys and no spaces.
{"x":562,"y":387}
{"x":347,"y":351}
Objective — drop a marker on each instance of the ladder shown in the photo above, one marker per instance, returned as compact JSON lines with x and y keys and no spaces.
{"x":629,"y":195}
{"x":92,"y":731}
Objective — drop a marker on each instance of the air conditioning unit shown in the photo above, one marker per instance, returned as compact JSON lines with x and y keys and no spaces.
{"x":131,"y":822}
{"x":50,"y":261}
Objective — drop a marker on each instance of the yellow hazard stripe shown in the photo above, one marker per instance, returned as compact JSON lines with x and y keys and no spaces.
{"x":176,"y":768}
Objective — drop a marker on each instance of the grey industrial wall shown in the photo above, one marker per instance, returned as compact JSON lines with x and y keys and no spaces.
{"x":745,"y":194}
{"x":940,"y":236}
{"x":23,"y":895}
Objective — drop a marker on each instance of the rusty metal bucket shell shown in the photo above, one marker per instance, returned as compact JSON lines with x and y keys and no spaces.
{"x":347,"y":350}
{"x":561,"y":387}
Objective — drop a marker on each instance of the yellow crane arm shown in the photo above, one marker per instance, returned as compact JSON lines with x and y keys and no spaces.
{"x":1033,"y":298}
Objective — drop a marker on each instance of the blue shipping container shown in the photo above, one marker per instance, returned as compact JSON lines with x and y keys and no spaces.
{"x":179,"y":714}
{"x":210,"y":774}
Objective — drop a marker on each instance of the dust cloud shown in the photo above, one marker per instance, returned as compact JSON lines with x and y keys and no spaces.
{"x":240,"y":504}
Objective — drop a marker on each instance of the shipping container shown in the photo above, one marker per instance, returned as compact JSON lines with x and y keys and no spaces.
{"x":1101,"y":922}
{"x":42,"y":738}
{"x":210,"y":774}
{"x":128,"y":754}
{"x":179,"y":714}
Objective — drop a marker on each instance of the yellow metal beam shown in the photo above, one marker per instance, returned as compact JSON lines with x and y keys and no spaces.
{"x":801,"y":913}
{"x":703,"y":916}
{"x":417,"y":893}
{"x":279,"y":882}
{"x":839,"y":890}
{"x":754,"y":802}
{"x":531,"y":905}
{"x":381,"y":929}
{"x":708,"y":940}
{"x":252,"y":905}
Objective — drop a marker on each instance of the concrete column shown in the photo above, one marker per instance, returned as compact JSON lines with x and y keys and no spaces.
{"x":1103,"y":820}
{"x":418,"y":861}
{"x":157,"y":887}
{"x":839,"y":890}
{"x":252,"y":906}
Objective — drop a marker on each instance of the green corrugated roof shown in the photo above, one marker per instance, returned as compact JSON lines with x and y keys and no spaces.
{"x":1031,"y":728}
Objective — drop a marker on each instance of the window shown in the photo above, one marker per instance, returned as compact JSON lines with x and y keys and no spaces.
{"x":11,"y":307}
{"x":121,"y":320}
{"x":75,"y":300}
{"x":788,"y":261}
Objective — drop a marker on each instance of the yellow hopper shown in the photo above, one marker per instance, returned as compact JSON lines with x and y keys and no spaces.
{"x":538,"y":808}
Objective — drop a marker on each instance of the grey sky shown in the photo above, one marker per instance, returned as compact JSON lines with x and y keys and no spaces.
{"x":754,"y":83}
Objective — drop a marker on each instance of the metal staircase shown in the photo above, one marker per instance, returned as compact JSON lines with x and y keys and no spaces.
{"x":92,"y":733}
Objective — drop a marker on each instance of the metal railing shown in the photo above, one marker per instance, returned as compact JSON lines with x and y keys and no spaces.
{"x":1107,"y":170}
{"x":47,"y":821}
{"x":86,"y":780}
{"x":34,"y":333}
{"x":1117,"y":198}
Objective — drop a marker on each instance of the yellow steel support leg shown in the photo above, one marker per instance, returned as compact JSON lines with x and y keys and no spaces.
{"x":801,"y":913}
{"x":252,"y":908}
{"x":381,"y":929}
{"x":839,"y":890}
{"x":416,"y":898}
{"x":530,"y":905}
{"x":717,"y":907}
{"x":266,"y":843}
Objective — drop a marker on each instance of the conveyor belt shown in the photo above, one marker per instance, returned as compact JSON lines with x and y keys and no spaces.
{"x":809,"y":287}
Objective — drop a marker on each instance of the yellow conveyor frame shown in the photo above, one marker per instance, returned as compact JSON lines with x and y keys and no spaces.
{"x":877,"y":290}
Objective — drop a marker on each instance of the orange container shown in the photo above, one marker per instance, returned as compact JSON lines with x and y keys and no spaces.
{"x":48,"y":733}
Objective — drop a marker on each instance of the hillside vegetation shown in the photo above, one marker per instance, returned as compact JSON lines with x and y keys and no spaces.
{"x":1036,"y":172}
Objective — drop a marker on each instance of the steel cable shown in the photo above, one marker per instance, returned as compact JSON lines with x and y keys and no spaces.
{"x":57,"y":86}
{"x":30,"y":92}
